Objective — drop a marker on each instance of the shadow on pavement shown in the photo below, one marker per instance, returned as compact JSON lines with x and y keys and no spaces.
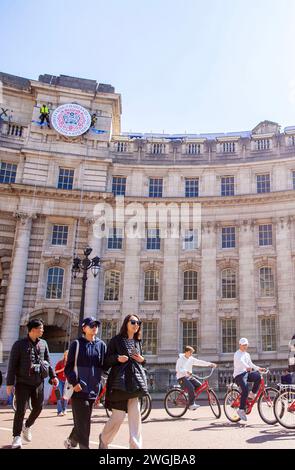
{"x":269,"y":435}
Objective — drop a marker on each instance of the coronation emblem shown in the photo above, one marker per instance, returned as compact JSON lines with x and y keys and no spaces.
{"x":71,"y":120}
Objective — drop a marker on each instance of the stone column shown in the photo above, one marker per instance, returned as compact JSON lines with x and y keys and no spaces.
{"x":169,"y":312}
{"x":131,"y":280}
{"x":17,"y":278}
{"x":246,"y":288}
{"x":209,"y":326}
{"x":285,"y":285}
{"x":92,"y":285}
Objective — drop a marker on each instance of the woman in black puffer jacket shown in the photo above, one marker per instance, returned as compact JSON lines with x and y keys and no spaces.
{"x":126,"y":383}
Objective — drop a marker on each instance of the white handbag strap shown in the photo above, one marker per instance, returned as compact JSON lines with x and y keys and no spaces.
{"x":76,"y":358}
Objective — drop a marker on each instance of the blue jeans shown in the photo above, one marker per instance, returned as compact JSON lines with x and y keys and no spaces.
{"x":61,"y":404}
{"x":190,"y":384}
{"x":242,"y":380}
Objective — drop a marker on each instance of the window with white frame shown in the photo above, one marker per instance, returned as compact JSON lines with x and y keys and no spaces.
{"x":155,"y":187}
{"x":190,"y":240}
{"x":228,"y":237}
{"x":153,"y":240}
{"x":7,"y":172}
{"x":227,"y":186}
{"x":263,"y":183}
{"x":60,"y":235}
{"x":193,"y":149}
{"x":119,"y":185}
{"x":228,"y":147}
{"x":268,"y":334}
{"x":149,"y":337}
{"x":108,"y":329}
{"x":229,"y":283}
{"x":151,"y":285}
{"x":190,"y":285}
{"x":293,"y":179}
{"x":263,"y":144}
{"x":65,"y":178}
{"x":55,"y":278}
{"x":266,"y":281}
{"x":228,"y":335}
{"x":158,"y":149}
{"x":121,"y":147}
{"x":265,"y":235}
{"x":190,"y":334}
{"x":115,"y":239}
{"x":112,"y":285}
{"x":191,"y":187}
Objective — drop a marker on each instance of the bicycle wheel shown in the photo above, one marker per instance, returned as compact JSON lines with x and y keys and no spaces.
{"x":214,"y":403}
{"x":231,"y":405}
{"x":265,"y":405}
{"x":145,"y":406}
{"x":284,"y":408}
{"x":176,"y":403}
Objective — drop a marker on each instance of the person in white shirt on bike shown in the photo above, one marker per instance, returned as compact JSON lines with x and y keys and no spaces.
{"x":184,"y":367}
{"x":243,"y":374}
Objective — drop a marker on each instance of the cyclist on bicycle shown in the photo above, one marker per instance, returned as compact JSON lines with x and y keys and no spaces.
{"x":242,"y":374}
{"x":184,"y":367}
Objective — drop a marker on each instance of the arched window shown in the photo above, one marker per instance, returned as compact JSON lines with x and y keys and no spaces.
{"x":151,"y":285}
{"x":229,"y":284}
{"x":266,"y":282}
{"x":112,"y":285}
{"x":190,"y":285}
{"x":55,"y":278}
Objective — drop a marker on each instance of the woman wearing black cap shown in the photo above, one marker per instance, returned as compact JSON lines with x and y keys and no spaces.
{"x":126,"y":383}
{"x":86,"y":383}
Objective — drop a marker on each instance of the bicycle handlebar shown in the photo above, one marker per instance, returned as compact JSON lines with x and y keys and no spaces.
{"x":206,"y":376}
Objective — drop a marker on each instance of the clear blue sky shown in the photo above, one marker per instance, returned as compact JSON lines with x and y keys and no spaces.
{"x":190,"y":65}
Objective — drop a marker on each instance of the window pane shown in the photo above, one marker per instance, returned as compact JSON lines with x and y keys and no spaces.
{"x":228,"y":281}
{"x":156,"y":187}
{"x":229,"y":335}
{"x":60,"y":235}
{"x":149,"y":337}
{"x":266,"y":282}
{"x":268,"y":334}
{"x":119,"y":185}
{"x":112,"y":285}
{"x":228,"y":237}
{"x":54,"y":283}
{"x":65,"y":179}
{"x":190,"y":285}
{"x":108,"y":329}
{"x":151,"y":285}
{"x":7,"y":172}
{"x":190,"y":334}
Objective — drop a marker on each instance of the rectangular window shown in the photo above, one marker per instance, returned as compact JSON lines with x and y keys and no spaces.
{"x":119,"y":185}
{"x":293,"y":179}
{"x":108,"y":330}
{"x":150,"y":337}
{"x":268,"y":334}
{"x":158,"y":149}
{"x":121,"y":147}
{"x":190,"y":285}
{"x":65,"y":178}
{"x":263,"y":183}
{"x":115,"y":239}
{"x":151,"y":286}
{"x":191,"y":187}
{"x":263,"y":144}
{"x":190,"y":334}
{"x":156,"y":187}
{"x":265,"y":235}
{"x":227,"y":186}
{"x":60,"y":235}
{"x":7,"y":172}
{"x":193,"y":149}
{"x":228,"y":237}
{"x":229,"y":335}
{"x":228,"y":147}
{"x":153,"y":241}
{"x":190,"y":240}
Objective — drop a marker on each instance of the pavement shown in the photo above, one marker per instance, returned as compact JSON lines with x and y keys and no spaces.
{"x":196,"y":430}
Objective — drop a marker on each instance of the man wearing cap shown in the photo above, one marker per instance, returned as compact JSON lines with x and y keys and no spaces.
{"x":90,"y":359}
{"x":243,"y":374}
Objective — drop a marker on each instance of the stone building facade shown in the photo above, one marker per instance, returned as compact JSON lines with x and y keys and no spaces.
{"x":233,"y":276}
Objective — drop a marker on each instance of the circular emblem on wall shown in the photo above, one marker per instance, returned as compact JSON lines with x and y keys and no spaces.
{"x":71,"y":120}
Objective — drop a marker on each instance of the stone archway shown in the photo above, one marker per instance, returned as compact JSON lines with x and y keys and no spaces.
{"x":60,"y":327}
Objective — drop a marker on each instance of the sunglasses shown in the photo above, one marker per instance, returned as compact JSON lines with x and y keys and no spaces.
{"x":135,"y":322}
{"x":93,"y":325}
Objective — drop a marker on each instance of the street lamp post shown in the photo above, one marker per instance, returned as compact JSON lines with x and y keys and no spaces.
{"x":82,"y":265}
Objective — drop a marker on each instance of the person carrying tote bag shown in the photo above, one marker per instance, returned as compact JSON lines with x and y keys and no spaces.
{"x":68,"y":388}
{"x":83,"y":371}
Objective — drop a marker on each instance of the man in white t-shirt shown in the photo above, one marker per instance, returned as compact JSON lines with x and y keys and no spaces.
{"x":243,"y":374}
{"x":184,"y":369}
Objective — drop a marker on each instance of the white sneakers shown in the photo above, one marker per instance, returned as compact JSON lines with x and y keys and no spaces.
{"x":16,"y":442}
{"x":69,"y":444}
{"x":242,"y":415}
{"x":194,"y":406}
{"x":27,"y":434}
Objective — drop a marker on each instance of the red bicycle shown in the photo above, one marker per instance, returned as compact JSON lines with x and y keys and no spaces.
{"x":145,"y":402}
{"x":264,"y":398}
{"x":176,"y":400}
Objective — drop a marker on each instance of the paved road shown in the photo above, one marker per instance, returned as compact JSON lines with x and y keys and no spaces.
{"x":196,"y":430}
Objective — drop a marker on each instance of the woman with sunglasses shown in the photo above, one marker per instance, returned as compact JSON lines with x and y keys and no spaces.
{"x":126,"y":383}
